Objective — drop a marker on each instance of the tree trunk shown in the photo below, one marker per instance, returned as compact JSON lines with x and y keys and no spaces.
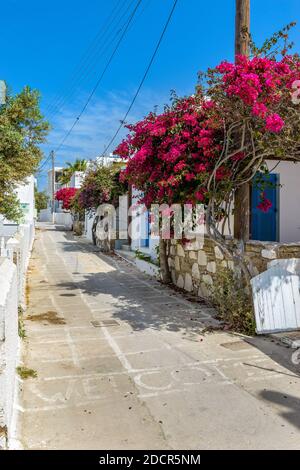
{"x":163,"y":260}
{"x":242,"y":212}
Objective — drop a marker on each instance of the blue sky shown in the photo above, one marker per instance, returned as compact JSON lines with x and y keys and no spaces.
{"x":43,"y":43}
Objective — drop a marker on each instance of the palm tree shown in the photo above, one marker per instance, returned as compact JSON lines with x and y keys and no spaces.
{"x":69,"y":170}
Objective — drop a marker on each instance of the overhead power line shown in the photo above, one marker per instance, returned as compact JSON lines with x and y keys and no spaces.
{"x":97,"y":49}
{"x":143,"y":78}
{"x":127,"y":24}
{"x":43,"y":164}
{"x":60,"y":101}
{"x":101,"y":76}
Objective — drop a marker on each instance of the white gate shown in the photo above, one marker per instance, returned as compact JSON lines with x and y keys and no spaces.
{"x":276,"y":296}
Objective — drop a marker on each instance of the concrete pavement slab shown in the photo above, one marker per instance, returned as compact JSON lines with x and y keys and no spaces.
{"x":150,"y":378}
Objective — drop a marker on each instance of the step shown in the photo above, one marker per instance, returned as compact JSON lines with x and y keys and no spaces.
{"x":291,"y":339}
{"x":125,"y":247}
{"x":128,"y":255}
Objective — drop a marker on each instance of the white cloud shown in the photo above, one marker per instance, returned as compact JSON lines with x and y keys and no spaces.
{"x":98,"y":124}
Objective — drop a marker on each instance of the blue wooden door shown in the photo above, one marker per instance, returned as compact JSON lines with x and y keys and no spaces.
{"x":264,"y":225}
{"x":146,"y":232}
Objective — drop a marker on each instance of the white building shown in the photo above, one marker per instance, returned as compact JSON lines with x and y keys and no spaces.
{"x":25,"y":193}
{"x":142,"y":240}
{"x":57,"y":185}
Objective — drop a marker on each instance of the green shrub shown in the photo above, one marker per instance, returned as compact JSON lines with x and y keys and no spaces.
{"x":26,"y":373}
{"x":233,"y":302}
{"x":21,"y":326}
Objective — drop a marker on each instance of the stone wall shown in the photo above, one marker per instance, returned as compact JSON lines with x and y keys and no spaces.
{"x":194,"y":265}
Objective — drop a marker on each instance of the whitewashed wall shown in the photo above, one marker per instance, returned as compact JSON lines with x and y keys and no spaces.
{"x":289,"y":207}
{"x":60,"y":218}
{"x":76,"y":179}
{"x":45,"y":215}
{"x":25,"y":194}
{"x":88,"y":225}
{"x":9,"y":339}
{"x":63,"y":218}
{"x":138,"y":226}
{"x":13,"y":270}
{"x":19,"y":249}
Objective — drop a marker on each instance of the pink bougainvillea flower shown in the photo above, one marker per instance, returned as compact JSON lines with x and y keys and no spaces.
{"x":260,"y":110}
{"x":200,"y":167}
{"x":179,"y":166}
{"x":170,"y":156}
{"x":199,"y":196}
{"x":190,"y":177}
{"x":265,"y":204}
{"x":274,"y":123}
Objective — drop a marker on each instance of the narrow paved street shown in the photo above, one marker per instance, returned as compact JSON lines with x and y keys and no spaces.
{"x":121,"y":363}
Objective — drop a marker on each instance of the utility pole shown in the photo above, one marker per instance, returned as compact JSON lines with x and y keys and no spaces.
{"x":53,"y":183}
{"x":242,"y":195}
{"x":242,"y":27}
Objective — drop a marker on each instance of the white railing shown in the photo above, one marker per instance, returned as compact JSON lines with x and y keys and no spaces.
{"x":276,"y":297}
{"x":18,"y":249}
{"x":15,"y":254}
{"x":3,"y":249}
{"x":9,"y":339}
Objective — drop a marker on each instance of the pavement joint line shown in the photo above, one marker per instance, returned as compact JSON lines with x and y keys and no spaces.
{"x":72,"y":348}
{"x":153,"y":394}
{"x":83,"y":358}
{"x":207,"y":381}
{"x":122,"y":358}
{"x":79,"y":339}
{"x":71,"y":405}
{"x":183,"y":367}
{"x":115,"y":347}
{"x":176,"y":372}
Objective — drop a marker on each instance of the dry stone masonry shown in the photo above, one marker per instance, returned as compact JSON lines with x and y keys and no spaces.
{"x":194,"y":265}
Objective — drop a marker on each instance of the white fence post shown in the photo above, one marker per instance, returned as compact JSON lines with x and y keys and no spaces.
{"x":9,"y":339}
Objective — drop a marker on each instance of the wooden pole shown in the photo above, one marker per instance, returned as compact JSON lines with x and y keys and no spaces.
{"x":53,"y":185}
{"x":242,"y":27}
{"x":242,"y":195}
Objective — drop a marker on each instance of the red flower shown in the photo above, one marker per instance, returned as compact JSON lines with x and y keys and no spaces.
{"x":274,"y":123}
{"x":66,"y":195}
{"x":265,"y":204}
{"x":190,"y":177}
{"x":199,"y":196}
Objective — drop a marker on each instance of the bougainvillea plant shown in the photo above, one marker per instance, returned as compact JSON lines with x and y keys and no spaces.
{"x":66,"y":195}
{"x":202,"y":148}
{"x":100,"y":185}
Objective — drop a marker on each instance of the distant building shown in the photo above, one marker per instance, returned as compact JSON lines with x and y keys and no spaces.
{"x":107,"y":159}
{"x":57,"y":184}
{"x":25,"y":193}
{"x":76,"y":179}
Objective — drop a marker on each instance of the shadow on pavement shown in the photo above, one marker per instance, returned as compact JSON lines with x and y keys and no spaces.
{"x":143,"y":303}
{"x":289,"y":405}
